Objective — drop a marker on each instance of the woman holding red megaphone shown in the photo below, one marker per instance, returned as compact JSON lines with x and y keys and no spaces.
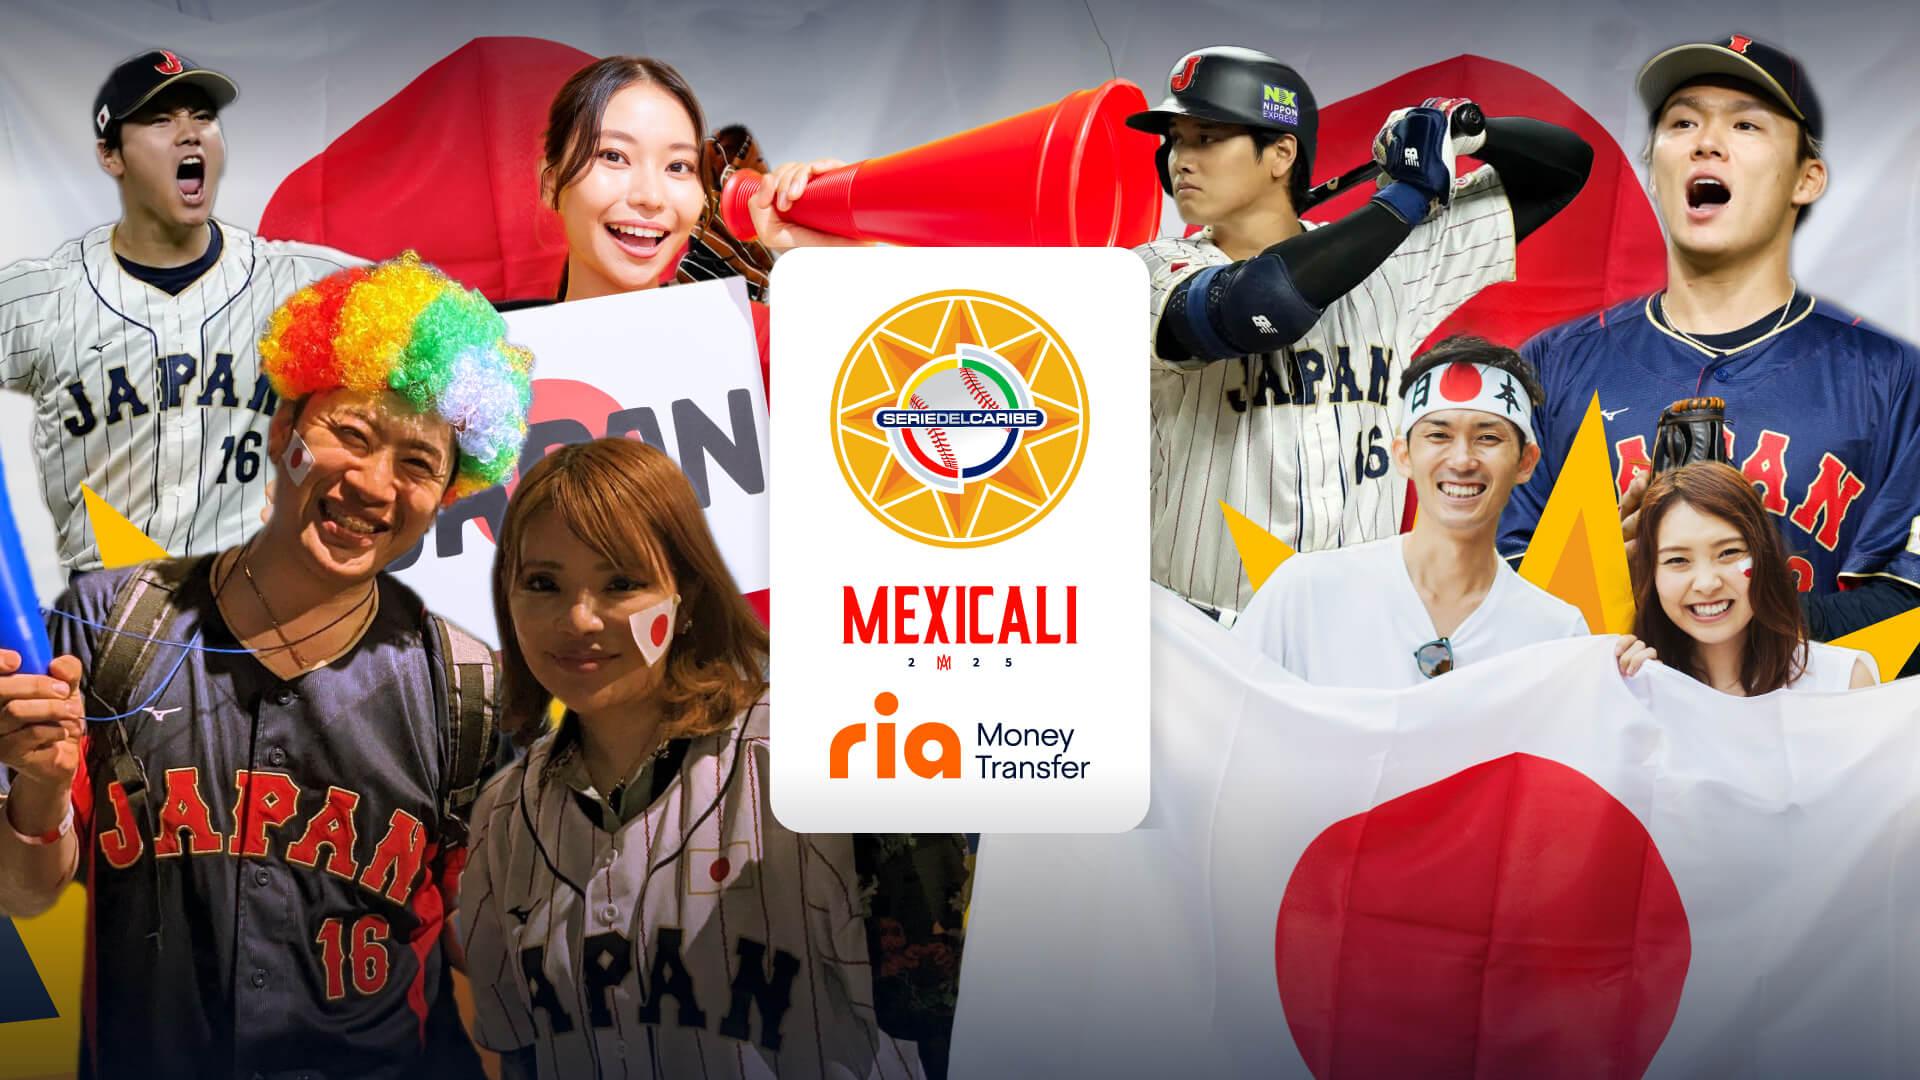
{"x":621,"y":166}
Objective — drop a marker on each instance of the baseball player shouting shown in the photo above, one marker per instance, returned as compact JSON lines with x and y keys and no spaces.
{"x":1276,"y":342}
{"x":268,"y":828}
{"x":1823,"y":409}
{"x":137,"y":341}
{"x":632,"y":906}
{"x":1389,"y":613}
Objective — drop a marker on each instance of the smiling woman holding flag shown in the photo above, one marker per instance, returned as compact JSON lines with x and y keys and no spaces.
{"x":1714,"y":594}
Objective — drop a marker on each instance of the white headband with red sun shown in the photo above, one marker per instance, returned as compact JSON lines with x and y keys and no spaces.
{"x":1461,"y":385}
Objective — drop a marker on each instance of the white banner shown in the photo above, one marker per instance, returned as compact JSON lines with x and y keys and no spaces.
{"x":676,"y":368}
{"x":962,"y":626}
{"x":1463,"y":879}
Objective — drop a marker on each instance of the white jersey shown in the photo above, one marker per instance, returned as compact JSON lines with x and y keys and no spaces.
{"x":1298,"y":439}
{"x":1352,"y":617}
{"x":156,"y":402}
{"x":1830,"y":668}
{"x":701,"y":939}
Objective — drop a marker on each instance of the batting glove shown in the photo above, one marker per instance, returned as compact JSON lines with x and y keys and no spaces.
{"x":1414,"y":151}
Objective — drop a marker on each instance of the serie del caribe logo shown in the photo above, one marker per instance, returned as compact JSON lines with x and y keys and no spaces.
{"x":960,"y":419}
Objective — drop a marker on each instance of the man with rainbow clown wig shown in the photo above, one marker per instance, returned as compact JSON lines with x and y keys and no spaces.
{"x":1393,"y":613}
{"x":258,"y":760}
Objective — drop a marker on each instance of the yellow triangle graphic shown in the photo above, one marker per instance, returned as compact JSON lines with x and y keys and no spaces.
{"x":1577,"y":553}
{"x":1261,"y":552}
{"x":1891,"y":641}
{"x":121,"y":541}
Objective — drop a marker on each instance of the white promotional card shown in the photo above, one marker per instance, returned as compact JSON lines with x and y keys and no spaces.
{"x":959,"y":548}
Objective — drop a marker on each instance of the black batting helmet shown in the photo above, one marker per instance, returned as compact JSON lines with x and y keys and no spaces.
{"x":1231,"y":85}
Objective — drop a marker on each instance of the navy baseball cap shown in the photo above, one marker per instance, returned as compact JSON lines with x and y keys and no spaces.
{"x":138,"y":79}
{"x":1770,"y":71}
{"x":1232,"y":85}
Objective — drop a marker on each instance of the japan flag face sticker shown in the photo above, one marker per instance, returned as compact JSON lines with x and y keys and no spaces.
{"x":299,"y":459}
{"x":653,"y":628}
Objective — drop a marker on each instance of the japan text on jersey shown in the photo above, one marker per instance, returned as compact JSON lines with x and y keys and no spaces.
{"x":1297,"y":438}
{"x":155,"y":401}
{"x":268,"y":895}
{"x":1823,"y":416}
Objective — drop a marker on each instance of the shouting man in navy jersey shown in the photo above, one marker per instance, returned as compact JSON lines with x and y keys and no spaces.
{"x":280,"y":743}
{"x":1823,"y":410}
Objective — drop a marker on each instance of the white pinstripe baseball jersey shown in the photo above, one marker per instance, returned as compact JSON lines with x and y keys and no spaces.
{"x":1298,"y":439}
{"x":156,"y":402}
{"x":700,"y":940}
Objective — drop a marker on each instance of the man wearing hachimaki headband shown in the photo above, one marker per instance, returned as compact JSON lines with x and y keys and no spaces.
{"x":1392,"y":613}
{"x":268,"y":752}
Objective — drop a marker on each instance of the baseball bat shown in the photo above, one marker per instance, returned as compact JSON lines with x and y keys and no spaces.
{"x":20,"y":627}
{"x":1467,"y":121}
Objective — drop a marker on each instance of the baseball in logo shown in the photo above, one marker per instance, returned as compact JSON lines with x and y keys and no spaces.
{"x":959,"y":418}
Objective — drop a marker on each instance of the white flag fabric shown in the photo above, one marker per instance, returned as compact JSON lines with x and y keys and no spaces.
{"x":1527,"y":867}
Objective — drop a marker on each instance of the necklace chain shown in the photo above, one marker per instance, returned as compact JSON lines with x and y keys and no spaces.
{"x":287,"y":645}
{"x":1793,"y":293}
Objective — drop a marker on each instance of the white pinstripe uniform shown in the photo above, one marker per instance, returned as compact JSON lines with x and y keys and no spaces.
{"x":699,"y":941}
{"x":1298,"y":439}
{"x":156,"y":402}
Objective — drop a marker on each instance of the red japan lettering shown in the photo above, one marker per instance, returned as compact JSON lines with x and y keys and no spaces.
{"x":185,"y":810}
{"x":1766,"y":467}
{"x":1829,"y":497}
{"x":1633,"y":461}
{"x":122,"y":845}
{"x":396,"y":862}
{"x":332,"y":829}
{"x":262,"y":801}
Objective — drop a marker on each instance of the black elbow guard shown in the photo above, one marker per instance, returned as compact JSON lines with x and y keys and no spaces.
{"x":1240,"y":309}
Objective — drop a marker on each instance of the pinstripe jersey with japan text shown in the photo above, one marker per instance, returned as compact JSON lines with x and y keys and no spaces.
{"x":1297,"y":439}
{"x":700,"y":940}
{"x":156,"y":402}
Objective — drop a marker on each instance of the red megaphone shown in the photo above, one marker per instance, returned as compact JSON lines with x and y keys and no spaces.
{"x":1069,"y":174}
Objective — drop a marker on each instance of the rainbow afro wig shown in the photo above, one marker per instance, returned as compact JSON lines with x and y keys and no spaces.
{"x":406,"y":327}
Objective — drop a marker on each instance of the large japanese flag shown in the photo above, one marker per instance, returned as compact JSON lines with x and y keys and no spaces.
{"x":1530,"y":867}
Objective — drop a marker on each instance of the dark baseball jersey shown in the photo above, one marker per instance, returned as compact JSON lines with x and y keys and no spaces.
{"x":156,"y":402}
{"x":281,"y":912}
{"x":699,"y":940}
{"x":1823,"y":415}
{"x":1298,"y":438}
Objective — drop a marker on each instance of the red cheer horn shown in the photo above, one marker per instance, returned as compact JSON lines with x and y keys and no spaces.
{"x":20,"y":626}
{"x":1071,"y":174}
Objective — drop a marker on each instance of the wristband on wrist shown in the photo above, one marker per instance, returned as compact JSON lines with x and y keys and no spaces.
{"x":51,"y":836}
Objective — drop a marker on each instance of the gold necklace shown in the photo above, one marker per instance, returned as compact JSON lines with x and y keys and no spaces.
{"x":1793,"y":293}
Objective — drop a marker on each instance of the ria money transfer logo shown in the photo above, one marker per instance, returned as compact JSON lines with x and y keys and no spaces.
{"x":960,"y":418}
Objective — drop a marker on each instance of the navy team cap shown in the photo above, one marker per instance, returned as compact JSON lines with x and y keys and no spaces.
{"x":137,"y":80}
{"x":1772,"y":72}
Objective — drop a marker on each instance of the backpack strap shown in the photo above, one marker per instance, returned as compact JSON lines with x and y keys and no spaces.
{"x":143,"y":607}
{"x":466,"y":671}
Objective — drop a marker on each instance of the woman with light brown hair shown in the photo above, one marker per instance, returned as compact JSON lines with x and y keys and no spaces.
{"x":633,"y":906}
{"x":1714,"y":595}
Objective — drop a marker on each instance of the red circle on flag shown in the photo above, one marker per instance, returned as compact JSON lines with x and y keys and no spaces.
{"x":1513,"y":919}
{"x":658,"y":631}
{"x":1460,"y":382}
{"x":720,"y":869}
{"x":299,"y":457}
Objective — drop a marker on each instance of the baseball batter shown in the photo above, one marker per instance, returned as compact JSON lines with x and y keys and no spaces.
{"x":269,"y":834}
{"x":137,"y":341}
{"x":1277,"y":344}
{"x":1823,"y":409}
{"x":632,"y":907}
